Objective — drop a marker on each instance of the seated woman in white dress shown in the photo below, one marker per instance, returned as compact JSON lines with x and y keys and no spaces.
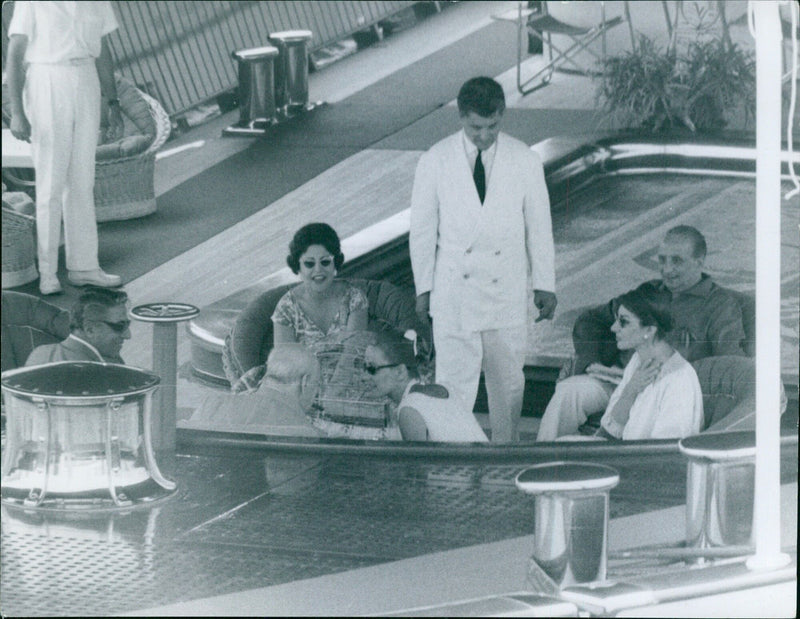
{"x":659,"y":395}
{"x":429,"y":412}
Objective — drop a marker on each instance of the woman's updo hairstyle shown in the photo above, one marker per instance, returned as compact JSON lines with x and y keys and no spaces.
{"x":314,"y":234}
{"x":650,"y":308}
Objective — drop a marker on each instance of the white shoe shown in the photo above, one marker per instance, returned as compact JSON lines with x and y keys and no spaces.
{"x":96,"y":277}
{"x":49,"y":284}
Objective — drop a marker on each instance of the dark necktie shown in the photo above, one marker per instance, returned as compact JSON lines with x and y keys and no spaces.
{"x":479,"y":176}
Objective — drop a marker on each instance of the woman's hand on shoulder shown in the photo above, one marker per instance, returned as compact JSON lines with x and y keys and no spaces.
{"x":644,"y":375}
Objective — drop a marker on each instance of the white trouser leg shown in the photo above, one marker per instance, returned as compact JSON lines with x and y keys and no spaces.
{"x":63,"y":106}
{"x":503,"y":362}
{"x":574,"y":400}
{"x":80,"y":222}
{"x":458,"y":362}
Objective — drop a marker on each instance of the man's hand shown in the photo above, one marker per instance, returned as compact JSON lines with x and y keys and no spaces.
{"x":20,"y":127}
{"x":546,"y":303}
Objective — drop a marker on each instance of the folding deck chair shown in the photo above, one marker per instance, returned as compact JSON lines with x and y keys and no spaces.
{"x":542,"y":25}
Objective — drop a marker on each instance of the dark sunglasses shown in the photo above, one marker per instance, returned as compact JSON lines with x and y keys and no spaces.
{"x":324,"y":263}
{"x":373,"y":369}
{"x":118,"y":327}
{"x":623,"y":322}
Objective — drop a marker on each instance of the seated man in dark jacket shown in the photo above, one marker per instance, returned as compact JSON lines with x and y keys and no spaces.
{"x":708,"y":322}
{"x":99,"y":325}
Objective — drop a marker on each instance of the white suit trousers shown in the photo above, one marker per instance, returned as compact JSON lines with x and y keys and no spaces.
{"x":62,"y":102}
{"x":574,"y":400}
{"x":500,"y":353}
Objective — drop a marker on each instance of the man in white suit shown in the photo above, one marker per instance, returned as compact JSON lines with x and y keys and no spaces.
{"x":480,"y":228}
{"x":58,"y":65}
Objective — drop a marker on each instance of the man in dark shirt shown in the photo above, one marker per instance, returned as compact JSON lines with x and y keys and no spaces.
{"x":708,"y":322}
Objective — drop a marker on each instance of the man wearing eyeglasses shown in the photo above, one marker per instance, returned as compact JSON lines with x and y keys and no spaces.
{"x":99,"y":326}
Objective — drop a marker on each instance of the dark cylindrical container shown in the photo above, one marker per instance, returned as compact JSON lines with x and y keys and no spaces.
{"x":291,"y":69}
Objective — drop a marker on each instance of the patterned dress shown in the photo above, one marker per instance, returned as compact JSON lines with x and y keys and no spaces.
{"x":351,"y":406}
{"x":290,"y":313}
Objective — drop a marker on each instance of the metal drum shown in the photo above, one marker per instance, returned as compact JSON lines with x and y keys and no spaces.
{"x":78,"y":436}
{"x":720,"y":486}
{"x":291,"y":69}
{"x":571,"y":523}
{"x":257,"y":110}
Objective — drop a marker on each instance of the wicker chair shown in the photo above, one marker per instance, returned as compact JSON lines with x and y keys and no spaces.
{"x":123,"y":188}
{"x":19,"y":248}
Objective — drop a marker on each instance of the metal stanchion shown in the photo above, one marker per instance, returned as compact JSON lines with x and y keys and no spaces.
{"x":165,"y":318}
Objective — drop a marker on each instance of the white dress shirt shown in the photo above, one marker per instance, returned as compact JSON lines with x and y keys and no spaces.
{"x":487,"y":156}
{"x":60,"y":32}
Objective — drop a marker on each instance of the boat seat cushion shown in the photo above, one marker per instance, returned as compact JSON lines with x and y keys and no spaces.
{"x":28,"y":322}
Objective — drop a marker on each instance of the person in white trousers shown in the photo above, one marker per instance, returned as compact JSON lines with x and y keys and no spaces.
{"x":58,"y":66}
{"x":480,"y":231}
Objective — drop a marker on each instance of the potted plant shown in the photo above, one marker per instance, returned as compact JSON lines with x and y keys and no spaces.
{"x":659,"y":89}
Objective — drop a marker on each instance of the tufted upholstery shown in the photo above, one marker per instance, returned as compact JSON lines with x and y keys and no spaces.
{"x":729,"y":392}
{"x":28,"y":322}
{"x":250,"y":339}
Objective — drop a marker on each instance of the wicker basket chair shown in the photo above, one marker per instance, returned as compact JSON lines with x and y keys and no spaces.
{"x":19,"y":248}
{"x":123,"y":187}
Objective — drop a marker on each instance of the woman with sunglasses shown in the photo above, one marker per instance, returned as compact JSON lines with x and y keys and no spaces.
{"x":424,"y":412}
{"x":659,"y":395}
{"x":322,"y":308}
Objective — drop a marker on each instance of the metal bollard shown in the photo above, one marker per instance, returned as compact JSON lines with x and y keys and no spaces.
{"x":291,"y":70}
{"x":257,"y":109}
{"x":571,"y":523}
{"x":720,"y":487}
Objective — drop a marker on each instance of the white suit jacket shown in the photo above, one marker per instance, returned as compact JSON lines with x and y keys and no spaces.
{"x":475,"y":259}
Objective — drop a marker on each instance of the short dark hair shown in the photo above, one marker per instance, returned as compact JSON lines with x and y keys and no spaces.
{"x":481,"y":95}
{"x":692,"y":235}
{"x":397,"y":349}
{"x":650,"y":307}
{"x":91,"y":300}
{"x":314,"y":234}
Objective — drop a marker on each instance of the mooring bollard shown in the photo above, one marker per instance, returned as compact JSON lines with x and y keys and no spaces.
{"x":720,"y":487}
{"x":257,"y":109}
{"x":571,"y":523}
{"x":291,"y":70}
